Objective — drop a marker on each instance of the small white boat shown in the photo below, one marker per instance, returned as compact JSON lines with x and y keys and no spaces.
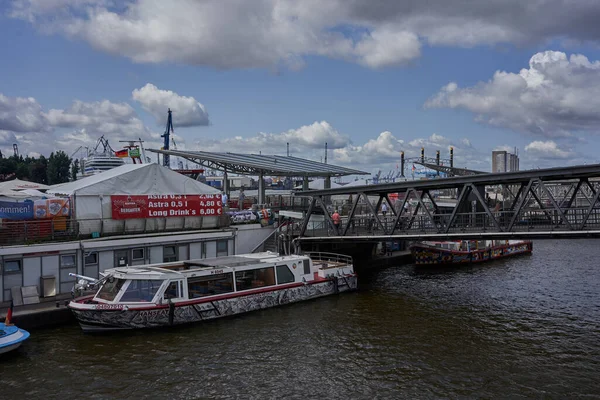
{"x":162,"y":295}
{"x":11,"y":337}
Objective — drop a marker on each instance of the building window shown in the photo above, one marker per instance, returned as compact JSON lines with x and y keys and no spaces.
{"x":137,"y":254}
{"x":68,"y":261}
{"x":222,"y":248}
{"x":169,"y":254}
{"x":255,"y":278}
{"x":284,"y":275}
{"x":12,"y":266}
{"x":91,"y":258}
{"x":210,"y":285}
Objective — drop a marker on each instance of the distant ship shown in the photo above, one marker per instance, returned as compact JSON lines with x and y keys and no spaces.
{"x":98,"y":161}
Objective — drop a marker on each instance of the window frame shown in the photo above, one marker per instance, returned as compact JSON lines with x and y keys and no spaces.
{"x":254,"y":271}
{"x":287,"y":268}
{"x":143,"y":257}
{"x":63,"y":266}
{"x":225,"y":276}
{"x":226,"y":251}
{"x":175,"y":253}
{"x":306,"y":266}
{"x":17,"y":260}
{"x":85,"y":263}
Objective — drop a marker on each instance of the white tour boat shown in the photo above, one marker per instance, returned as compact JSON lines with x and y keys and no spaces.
{"x":161,"y":295}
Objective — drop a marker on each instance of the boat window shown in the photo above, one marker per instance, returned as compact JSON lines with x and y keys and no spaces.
{"x":109,"y":290}
{"x":284,"y":275}
{"x":173,"y":290}
{"x":306,"y":267}
{"x":141,"y":290}
{"x":255,"y":278}
{"x":169,"y":254}
{"x":211,"y":285}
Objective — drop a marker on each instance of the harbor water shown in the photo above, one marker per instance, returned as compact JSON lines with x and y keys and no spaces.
{"x":527,"y":327}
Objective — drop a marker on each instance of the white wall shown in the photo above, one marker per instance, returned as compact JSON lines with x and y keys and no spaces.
{"x":195,"y":250}
{"x":50,"y":267}
{"x":32,"y":270}
{"x":106,"y":260}
{"x":250,"y":236}
{"x":211,"y":249}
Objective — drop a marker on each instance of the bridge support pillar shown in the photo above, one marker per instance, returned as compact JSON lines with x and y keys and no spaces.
{"x":261,"y":189}
{"x":226,"y":189}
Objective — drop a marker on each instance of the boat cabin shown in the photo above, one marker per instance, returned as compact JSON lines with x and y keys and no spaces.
{"x":194,"y":279}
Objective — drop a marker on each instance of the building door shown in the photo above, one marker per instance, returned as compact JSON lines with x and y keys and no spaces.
{"x":121,"y":258}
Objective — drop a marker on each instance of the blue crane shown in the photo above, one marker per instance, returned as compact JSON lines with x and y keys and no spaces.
{"x":168,"y":131}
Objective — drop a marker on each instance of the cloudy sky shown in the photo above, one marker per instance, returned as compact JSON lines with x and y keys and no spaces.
{"x":369,"y":77}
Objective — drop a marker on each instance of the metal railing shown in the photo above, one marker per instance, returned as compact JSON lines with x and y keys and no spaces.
{"x":479,"y":222}
{"x":317,"y":256}
{"x":57,"y":230}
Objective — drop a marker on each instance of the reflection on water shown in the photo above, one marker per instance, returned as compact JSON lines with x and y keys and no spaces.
{"x":527,"y":327}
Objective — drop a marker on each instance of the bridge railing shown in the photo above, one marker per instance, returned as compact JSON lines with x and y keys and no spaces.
{"x":527,"y":221}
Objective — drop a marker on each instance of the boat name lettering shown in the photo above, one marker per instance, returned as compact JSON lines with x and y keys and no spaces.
{"x":216,"y":271}
{"x":154,"y":313}
{"x":109,"y":306}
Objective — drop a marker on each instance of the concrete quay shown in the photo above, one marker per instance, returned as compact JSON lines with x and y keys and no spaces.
{"x":49,"y":312}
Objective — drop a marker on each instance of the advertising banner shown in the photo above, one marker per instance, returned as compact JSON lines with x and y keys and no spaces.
{"x":164,"y":206}
{"x":16,"y":210}
{"x":38,"y":209}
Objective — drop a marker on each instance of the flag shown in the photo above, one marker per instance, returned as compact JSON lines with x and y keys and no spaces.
{"x":9,"y":314}
{"x":122,"y":153}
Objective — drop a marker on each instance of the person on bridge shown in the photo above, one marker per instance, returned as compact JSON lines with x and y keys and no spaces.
{"x":336,"y":222}
{"x":384,"y":209}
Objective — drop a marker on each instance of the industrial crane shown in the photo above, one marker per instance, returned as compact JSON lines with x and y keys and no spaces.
{"x":168,"y":131}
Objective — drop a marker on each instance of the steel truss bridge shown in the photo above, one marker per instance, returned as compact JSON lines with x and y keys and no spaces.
{"x":544,"y":203}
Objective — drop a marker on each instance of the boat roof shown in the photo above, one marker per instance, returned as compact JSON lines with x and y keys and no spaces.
{"x":164,"y":271}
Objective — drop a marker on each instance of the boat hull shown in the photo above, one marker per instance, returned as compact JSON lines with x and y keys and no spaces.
{"x":427,"y":255}
{"x":208,"y":309}
{"x":12,"y":338}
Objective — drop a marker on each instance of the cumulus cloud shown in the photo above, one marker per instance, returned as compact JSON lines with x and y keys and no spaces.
{"x":23,"y":121}
{"x":306,"y":138}
{"x":270,"y":33}
{"x":156,"y":101}
{"x":548,"y":150}
{"x":555,"y":97}
{"x":18,"y":114}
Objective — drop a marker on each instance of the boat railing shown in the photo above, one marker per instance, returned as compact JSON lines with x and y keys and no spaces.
{"x":319,"y":256}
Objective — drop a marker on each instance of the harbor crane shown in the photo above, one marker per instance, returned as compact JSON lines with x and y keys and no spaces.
{"x":166,"y":135}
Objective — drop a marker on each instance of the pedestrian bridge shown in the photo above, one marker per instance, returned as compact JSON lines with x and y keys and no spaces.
{"x":542,"y":203}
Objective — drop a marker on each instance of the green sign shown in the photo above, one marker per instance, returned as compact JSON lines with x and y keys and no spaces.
{"x":134,"y":152}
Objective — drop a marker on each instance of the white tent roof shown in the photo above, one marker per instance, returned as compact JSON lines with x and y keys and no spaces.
{"x":13,"y":194}
{"x":17,"y":184}
{"x":134,"y":179}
